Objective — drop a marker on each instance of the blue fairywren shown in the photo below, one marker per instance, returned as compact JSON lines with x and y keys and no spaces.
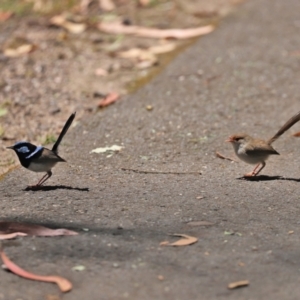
{"x":38,"y":158}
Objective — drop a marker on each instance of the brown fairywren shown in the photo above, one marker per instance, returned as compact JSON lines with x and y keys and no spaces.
{"x":256,"y":151}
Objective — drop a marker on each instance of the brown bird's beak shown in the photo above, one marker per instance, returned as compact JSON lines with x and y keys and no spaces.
{"x":229,"y":140}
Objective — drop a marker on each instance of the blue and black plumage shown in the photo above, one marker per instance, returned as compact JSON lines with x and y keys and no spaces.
{"x":38,"y":158}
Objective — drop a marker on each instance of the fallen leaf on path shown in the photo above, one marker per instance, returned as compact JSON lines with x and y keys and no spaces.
{"x":2,"y":131}
{"x":107,"y":149}
{"x":52,"y":297}
{"x":219,"y":155}
{"x":10,"y":236}
{"x":5,"y":15}
{"x":144,"y":2}
{"x":83,"y":6}
{"x":147,"y":57}
{"x":297,"y":134}
{"x":31,"y":229}
{"x":78,"y":268}
{"x":18,"y":46}
{"x":64,"y":284}
{"x":139,"y":52}
{"x":164,"y":243}
{"x":228,"y":233}
{"x":232,"y":233}
{"x":119,"y":28}
{"x":101,"y":72}
{"x":185,"y":241}
{"x":163,"y":48}
{"x":295,"y":53}
{"x":109,"y":99}
{"x":135,"y":53}
{"x":3,"y":111}
{"x":107,"y":5}
{"x":73,"y":27}
{"x":200,"y":223}
{"x":238,"y":284}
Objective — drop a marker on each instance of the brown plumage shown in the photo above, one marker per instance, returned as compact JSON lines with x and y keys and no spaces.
{"x":257,"y":151}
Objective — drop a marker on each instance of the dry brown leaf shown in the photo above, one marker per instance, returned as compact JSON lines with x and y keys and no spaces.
{"x":107,"y":5}
{"x":164,"y":243}
{"x":297,"y":134}
{"x":219,"y":155}
{"x":146,"y":64}
{"x":5,"y":15}
{"x":84,"y":4}
{"x":109,"y":99}
{"x":61,"y":21}
{"x":10,"y":236}
{"x":200,"y":223}
{"x":64,"y":284}
{"x":101,"y":72}
{"x":163,"y":48}
{"x":238,"y":284}
{"x":143,"y":54}
{"x":31,"y":229}
{"x":185,"y":241}
{"x":144,"y":2}
{"x":146,"y":58}
{"x":19,"y":51}
{"x":52,"y":297}
{"x":44,"y":6}
{"x":119,"y":28}
{"x":132,"y":53}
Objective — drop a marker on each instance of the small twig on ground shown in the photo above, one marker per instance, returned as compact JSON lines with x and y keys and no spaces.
{"x":158,"y":172}
{"x":219,"y":155}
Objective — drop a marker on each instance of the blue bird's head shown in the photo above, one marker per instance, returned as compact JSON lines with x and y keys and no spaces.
{"x":26,"y":151}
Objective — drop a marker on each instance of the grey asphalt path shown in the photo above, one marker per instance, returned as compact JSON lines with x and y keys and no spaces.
{"x":242,"y":77}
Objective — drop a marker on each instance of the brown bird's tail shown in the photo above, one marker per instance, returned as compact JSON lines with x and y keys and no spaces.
{"x":293,"y":120}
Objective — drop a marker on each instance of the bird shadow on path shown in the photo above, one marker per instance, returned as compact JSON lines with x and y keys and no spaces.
{"x":268,"y":178}
{"x":55,"y":187}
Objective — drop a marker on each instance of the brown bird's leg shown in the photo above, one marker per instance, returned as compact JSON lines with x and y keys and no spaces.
{"x":254,"y":173}
{"x":263,"y":164}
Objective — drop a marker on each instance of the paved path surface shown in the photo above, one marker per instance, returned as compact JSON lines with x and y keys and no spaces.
{"x":250,"y":82}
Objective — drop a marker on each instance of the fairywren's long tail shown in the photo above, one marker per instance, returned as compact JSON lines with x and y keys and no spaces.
{"x":294,"y":119}
{"x":63,"y":132}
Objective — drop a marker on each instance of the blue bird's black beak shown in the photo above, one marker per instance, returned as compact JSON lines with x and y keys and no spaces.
{"x":10,"y":147}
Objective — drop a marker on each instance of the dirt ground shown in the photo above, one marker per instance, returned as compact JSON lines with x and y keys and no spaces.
{"x":39,"y":90}
{"x":240,"y":78}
